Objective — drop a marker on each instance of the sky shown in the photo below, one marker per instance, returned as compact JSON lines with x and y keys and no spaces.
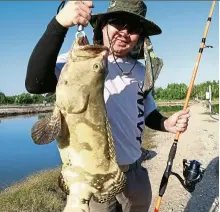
{"x":182,"y":22}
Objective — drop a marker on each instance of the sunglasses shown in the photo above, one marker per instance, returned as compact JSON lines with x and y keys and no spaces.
{"x":122,"y":23}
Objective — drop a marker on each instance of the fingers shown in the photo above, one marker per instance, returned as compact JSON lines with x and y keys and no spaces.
{"x":75,"y":13}
{"x":182,"y":120}
{"x":183,"y":115}
{"x":88,"y":3}
{"x":178,"y":122}
{"x":182,"y":123}
{"x":181,"y":126}
{"x":84,"y":10}
{"x":180,"y":129}
{"x":183,"y":112}
{"x":84,"y":13}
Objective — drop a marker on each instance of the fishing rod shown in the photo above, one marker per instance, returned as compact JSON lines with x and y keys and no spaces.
{"x":192,"y":170}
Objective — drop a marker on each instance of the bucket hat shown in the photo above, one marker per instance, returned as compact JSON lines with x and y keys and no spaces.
{"x":134,"y":9}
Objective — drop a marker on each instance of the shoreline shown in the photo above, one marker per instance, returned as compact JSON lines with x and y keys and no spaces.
{"x":16,"y":110}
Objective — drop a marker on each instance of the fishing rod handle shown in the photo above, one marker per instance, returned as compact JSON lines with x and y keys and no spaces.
{"x":158,"y":204}
{"x":202,"y":45}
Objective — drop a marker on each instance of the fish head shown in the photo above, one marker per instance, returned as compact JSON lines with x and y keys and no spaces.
{"x":83,"y":74}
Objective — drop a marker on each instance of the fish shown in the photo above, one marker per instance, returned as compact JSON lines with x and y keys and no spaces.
{"x":80,"y":125}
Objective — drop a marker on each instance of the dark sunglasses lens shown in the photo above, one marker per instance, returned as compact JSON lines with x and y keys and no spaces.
{"x":134,"y":29}
{"x":117,"y":22}
{"x":125,"y":23}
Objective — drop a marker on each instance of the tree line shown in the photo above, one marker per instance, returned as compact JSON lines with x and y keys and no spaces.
{"x":176,"y":91}
{"x":26,"y":98}
{"x":173,"y":91}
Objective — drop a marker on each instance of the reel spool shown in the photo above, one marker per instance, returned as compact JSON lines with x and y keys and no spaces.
{"x":192,"y":172}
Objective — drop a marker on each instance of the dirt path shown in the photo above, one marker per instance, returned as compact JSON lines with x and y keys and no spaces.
{"x":199,"y":142}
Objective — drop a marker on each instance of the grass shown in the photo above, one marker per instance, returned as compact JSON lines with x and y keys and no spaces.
{"x":38,"y":193}
{"x":215,"y":108}
{"x":165,"y":109}
{"x":148,"y":138}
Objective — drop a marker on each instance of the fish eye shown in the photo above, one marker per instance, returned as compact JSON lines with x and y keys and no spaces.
{"x":96,"y":67}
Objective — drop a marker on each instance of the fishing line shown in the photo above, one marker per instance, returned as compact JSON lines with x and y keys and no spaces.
{"x":61,"y":6}
{"x":112,"y":49}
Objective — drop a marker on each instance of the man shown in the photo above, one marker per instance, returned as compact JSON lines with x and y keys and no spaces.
{"x":129,"y":102}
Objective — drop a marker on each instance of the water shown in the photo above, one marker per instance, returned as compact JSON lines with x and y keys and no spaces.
{"x":19,"y":156}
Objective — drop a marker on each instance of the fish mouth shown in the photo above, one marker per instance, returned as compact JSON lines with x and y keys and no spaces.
{"x":82,"y":49}
{"x":95,"y":48}
{"x":90,"y":51}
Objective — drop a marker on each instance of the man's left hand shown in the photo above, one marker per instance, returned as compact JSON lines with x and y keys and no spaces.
{"x":178,"y":122}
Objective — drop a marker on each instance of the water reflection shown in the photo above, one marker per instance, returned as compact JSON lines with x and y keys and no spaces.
{"x":19,"y":156}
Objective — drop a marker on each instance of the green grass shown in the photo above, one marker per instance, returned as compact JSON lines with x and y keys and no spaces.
{"x":164,"y":109}
{"x":148,"y":138}
{"x":215,"y":108}
{"x":38,"y":193}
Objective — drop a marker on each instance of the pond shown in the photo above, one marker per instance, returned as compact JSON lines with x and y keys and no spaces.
{"x":19,"y":156}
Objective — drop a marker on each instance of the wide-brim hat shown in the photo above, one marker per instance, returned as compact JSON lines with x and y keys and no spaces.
{"x":135,"y":9}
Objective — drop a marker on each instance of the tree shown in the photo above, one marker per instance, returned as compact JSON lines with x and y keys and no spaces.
{"x":24,"y":98}
{"x":2,"y":98}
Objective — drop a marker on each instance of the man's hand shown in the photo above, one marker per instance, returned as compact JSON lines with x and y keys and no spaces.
{"x":75,"y":13}
{"x":178,"y":122}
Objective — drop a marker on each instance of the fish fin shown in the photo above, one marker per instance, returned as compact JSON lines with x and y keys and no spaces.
{"x":47,"y":129}
{"x":81,"y":105}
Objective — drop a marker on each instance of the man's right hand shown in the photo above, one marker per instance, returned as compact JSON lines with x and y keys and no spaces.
{"x":75,"y":13}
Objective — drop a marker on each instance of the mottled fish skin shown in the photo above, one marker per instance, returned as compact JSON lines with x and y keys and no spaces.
{"x":85,"y":141}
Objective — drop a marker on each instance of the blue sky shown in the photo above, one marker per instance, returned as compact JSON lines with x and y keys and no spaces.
{"x":182,"y":22}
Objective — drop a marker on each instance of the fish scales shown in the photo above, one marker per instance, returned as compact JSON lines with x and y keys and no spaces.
{"x":80,"y":125}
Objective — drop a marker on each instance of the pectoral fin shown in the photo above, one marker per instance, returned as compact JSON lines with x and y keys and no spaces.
{"x":47,"y":129}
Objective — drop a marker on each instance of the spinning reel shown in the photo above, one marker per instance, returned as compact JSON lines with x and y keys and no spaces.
{"x":192,"y":172}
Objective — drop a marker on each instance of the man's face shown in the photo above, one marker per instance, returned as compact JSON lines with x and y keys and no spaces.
{"x":120,"y":34}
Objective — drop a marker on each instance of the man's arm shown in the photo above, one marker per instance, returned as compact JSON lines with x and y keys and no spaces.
{"x":178,"y":122}
{"x":153,"y":118}
{"x":40,"y":77}
{"x":155,"y":121}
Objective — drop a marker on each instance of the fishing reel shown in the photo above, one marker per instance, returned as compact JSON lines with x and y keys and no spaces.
{"x":192,"y":172}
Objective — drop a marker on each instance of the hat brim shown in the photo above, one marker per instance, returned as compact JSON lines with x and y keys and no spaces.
{"x":150,"y":28}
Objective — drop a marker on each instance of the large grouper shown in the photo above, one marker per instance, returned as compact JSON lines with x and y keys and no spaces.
{"x":80,"y":125}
